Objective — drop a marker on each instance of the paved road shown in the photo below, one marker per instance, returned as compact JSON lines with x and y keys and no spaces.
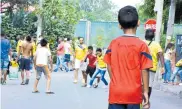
{"x":69,"y":96}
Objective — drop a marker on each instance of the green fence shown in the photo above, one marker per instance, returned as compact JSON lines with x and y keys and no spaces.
{"x":101,"y":33}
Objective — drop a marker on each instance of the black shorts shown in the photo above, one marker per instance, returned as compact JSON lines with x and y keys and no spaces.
{"x":25,"y":64}
{"x":124,"y":106}
{"x":90,"y":71}
{"x":67,"y":57}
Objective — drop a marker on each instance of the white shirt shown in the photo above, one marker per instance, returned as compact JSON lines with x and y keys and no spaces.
{"x":168,"y":54}
{"x":42,"y":55}
{"x":67,"y":48}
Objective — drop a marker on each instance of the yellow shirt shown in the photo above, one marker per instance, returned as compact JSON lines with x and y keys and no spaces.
{"x":14,"y":64}
{"x":101,"y":63}
{"x":80,"y":52}
{"x":18,"y":45}
{"x":34,"y":47}
{"x":179,"y":63}
{"x":155,"y":48}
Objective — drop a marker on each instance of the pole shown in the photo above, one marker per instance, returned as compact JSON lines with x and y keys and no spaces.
{"x":39,"y":26}
{"x":171,"y":19}
{"x":159,"y":19}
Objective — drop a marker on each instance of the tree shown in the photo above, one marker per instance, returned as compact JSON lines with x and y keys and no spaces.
{"x":97,"y":10}
{"x":146,"y":10}
{"x":59,"y":18}
{"x":17,"y":20}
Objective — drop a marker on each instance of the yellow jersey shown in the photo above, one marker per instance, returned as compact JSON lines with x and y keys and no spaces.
{"x":154,"y":48}
{"x":100,"y":61}
{"x":179,"y":63}
{"x":34,"y":47}
{"x":14,"y":64}
{"x":18,"y":45}
{"x":80,"y":52}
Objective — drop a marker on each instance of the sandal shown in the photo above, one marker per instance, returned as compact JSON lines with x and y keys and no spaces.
{"x":22,"y":83}
{"x":50,"y":93}
{"x":36,"y":91}
{"x":95,"y":85}
{"x":84,"y":85}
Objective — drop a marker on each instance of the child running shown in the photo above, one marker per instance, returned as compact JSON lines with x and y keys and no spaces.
{"x":41,"y":59}
{"x":100,"y":70}
{"x":91,"y":67}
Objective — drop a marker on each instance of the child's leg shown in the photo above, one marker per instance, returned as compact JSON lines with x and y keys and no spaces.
{"x":93,"y":78}
{"x":84,"y":76}
{"x":103,"y":78}
{"x":174,"y":74}
{"x":48,"y":77}
{"x":38,"y":76}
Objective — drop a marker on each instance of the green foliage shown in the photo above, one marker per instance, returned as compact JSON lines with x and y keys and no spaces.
{"x":146,"y":10}
{"x":97,"y":10}
{"x":60,"y":17}
{"x":21,"y":24}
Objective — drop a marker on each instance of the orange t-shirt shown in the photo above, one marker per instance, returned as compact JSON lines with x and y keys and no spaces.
{"x":127,"y":56}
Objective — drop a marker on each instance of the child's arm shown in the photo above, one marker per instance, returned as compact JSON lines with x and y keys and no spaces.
{"x":145,"y":78}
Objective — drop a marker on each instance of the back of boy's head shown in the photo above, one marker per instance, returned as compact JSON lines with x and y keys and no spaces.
{"x":43,"y":42}
{"x":99,"y":50}
{"x":90,"y":47}
{"x":28,"y":38}
{"x":149,"y":34}
{"x":128,"y":17}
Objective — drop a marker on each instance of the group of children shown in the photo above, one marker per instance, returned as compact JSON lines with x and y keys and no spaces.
{"x":96,"y":66}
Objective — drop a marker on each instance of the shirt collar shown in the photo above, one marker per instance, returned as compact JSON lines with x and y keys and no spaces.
{"x":129,"y":35}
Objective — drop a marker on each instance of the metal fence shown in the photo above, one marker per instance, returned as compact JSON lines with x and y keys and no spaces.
{"x":101,"y":33}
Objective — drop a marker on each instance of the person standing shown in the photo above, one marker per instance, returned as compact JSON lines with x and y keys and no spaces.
{"x":91,"y":67}
{"x":67,"y":53}
{"x":168,"y":58}
{"x":80,"y":54}
{"x":60,"y":55}
{"x":41,"y":59}
{"x":128,"y":60}
{"x":19,"y":43}
{"x":5,"y":53}
{"x":157,"y":54}
{"x":27,"y":54}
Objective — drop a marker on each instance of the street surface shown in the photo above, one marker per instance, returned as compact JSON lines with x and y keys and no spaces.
{"x":69,"y":96}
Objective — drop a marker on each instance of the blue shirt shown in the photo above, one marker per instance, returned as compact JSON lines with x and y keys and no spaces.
{"x":5,"y":47}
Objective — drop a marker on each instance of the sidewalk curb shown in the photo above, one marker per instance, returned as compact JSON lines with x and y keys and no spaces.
{"x":175,"y":90}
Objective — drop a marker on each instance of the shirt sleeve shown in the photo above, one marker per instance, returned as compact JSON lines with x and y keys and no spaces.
{"x":107,"y":57}
{"x":146,"y":58}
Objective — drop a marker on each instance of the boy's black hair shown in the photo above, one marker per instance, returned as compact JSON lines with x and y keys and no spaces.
{"x":28,"y":38}
{"x":68,"y":39}
{"x":90,"y":47}
{"x":149,"y":34}
{"x":128,"y":17}
{"x":99,"y":50}
{"x":80,"y":38}
{"x":43,"y":42}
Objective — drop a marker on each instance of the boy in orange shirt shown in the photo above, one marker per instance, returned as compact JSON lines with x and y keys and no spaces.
{"x":128,"y":60}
